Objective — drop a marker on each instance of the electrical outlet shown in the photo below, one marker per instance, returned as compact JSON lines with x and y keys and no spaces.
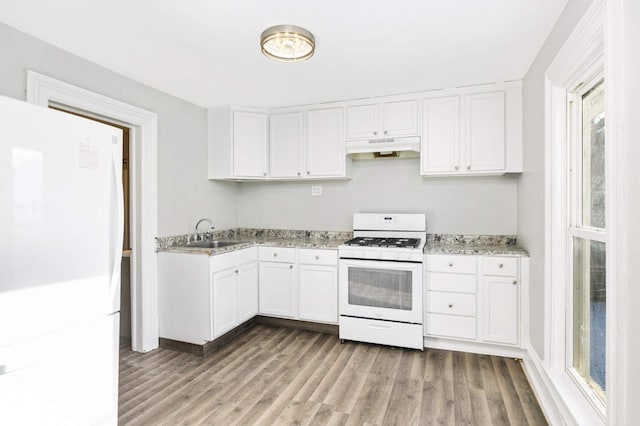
{"x":316,"y":190}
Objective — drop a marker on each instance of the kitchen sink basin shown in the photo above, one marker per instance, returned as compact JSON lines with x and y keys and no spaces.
{"x":214,"y":244}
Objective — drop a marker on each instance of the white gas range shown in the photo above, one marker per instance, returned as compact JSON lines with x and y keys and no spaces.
{"x":380,"y":280}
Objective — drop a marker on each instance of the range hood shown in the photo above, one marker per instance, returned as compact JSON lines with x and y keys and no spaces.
{"x":408,"y":147}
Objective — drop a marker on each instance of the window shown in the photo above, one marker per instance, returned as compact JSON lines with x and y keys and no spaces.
{"x":587,"y":236}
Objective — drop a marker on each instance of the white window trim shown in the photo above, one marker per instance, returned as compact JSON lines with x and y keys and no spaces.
{"x":45,"y":91}
{"x":582,"y":55}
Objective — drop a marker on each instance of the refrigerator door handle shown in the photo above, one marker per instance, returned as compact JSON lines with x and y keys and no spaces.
{"x":119,"y":215}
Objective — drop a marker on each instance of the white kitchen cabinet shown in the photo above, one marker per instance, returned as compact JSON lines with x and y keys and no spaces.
{"x":248,"y":290}
{"x":500,"y":301}
{"x":324,"y":149}
{"x":440,"y":150}
{"x":238,"y":144}
{"x":485,"y":132}
{"x":278,"y":283}
{"x":381,"y":120}
{"x":286,"y":145}
{"x":224,"y":301}
{"x":202,"y":297}
{"x":318,"y":285}
{"x":472,"y":133}
{"x":475,"y":299}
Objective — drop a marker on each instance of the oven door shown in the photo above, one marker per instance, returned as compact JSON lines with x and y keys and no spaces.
{"x":381,"y":290}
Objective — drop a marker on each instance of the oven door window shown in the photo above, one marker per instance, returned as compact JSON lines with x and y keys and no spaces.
{"x":380,"y":288}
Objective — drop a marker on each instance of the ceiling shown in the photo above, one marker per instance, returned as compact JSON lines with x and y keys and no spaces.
{"x":207,"y":51}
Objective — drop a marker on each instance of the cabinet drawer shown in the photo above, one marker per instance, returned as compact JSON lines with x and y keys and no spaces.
{"x":450,"y":326}
{"x":502,"y":266}
{"x":451,"y":303}
{"x":247,"y":255}
{"x":318,"y":257}
{"x":382,"y":332}
{"x":277,"y":254}
{"x":451,"y":263}
{"x":457,"y":283}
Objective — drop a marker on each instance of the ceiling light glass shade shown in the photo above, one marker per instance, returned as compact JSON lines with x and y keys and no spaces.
{"x":287,"y":43}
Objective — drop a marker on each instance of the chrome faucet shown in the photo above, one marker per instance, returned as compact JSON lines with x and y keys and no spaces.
{"x":195,"y":232}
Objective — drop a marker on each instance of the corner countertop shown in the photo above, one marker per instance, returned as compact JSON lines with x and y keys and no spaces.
{"x":484,"y":245}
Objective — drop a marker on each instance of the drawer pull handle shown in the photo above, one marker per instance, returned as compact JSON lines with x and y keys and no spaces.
{"x":501,"y":266}
{"x":450,"y":265}
{"x":515,"y":282}
{"x":275,"y":254}
{"x":380,"y":327}
{"x":451,"y":305}
{"x":317,"y":257}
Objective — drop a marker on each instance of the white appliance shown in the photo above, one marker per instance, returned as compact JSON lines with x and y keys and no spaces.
{"x":380,"y":280}
{"x":61,"y":226}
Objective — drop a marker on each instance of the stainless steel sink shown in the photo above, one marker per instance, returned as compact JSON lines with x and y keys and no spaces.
{"x":214,"y":244}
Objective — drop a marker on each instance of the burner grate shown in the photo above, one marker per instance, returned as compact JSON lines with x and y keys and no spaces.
{"x":384,"y":242}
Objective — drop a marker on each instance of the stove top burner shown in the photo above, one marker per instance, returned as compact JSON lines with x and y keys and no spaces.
{"x":384,"y":242}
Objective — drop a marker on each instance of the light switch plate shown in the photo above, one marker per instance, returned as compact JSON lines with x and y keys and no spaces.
{"x":316,"y":190}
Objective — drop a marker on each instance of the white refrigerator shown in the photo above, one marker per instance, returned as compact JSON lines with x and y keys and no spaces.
{"x":61,"y":226}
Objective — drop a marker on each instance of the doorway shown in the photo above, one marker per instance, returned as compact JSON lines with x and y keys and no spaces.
{"x":142,"y":167}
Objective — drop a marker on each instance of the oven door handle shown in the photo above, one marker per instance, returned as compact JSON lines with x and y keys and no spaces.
{"x":381,"y":264}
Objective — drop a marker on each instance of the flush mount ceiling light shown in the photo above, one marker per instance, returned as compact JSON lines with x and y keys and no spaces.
{"x":287,"y":43}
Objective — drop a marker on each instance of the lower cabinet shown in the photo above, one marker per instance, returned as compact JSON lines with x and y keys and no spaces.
{"x":473,"y":298}
{"x":299,"y":284}
{"x":202,"y":297}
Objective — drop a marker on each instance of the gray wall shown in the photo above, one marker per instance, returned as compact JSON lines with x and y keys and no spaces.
{"x":453,"y":205}
{"x":530,"y":198}
{"x":184,"y":193}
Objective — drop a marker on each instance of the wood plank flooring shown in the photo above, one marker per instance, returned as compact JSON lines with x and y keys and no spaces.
{"x":273,"y":375}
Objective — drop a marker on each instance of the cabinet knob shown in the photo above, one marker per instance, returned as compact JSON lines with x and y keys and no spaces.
{"x":451,"y":305}
{"x":450,"y":265}
{"x":299,"y":173}
{"x":290,"y":266}
{"x":515,"y":282}
{"x":385,"y":132}
{"x":375,"y":133}
{"x":308,"y":172}
{"x":317,"y":257}
{"x":468,"y":167}
{"x":264,"y":174}
{"x":275,"y":254}
{"x":236,"y":271}
{"x":457,"y":167}
{"x":501,"y":266}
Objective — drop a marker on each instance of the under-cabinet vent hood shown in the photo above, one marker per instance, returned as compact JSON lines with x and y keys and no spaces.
{"x":384,"y":148}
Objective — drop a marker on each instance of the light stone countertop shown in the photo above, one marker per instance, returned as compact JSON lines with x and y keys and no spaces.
{"x":485,"y":245}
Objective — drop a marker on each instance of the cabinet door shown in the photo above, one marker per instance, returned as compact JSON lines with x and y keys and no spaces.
{"x":248,"y":289}
{"x":500,"y":309}
{"x":225,"y":302}
{"x":485,"y":147}
{"x":249,"y":144}
{"x":400,"y":118}
{"x":286,"y":139}
{"x":362,"y":122}
{"x":319,"y":293}
{"x":325,"y":143}
{"x":440,"y":151}
{"x":277,"y":289}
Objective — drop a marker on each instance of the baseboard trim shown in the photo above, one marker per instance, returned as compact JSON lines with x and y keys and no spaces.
{"x":551,"y":402}
{"x":474,"y":347}
{"x":298,"y":324}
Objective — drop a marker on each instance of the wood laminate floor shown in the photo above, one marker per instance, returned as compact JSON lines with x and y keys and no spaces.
{"x":274,"y":375}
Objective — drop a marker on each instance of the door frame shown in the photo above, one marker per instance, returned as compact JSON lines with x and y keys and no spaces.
{"x":46,"y":91}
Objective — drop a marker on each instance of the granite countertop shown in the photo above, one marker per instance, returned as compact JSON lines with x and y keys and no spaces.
{"x":488,"y":245}
{"x":256,"y":237}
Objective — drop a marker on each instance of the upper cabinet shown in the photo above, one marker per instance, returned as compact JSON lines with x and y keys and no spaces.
{"x":238,"y":144}
{"x":466,"y":131}
{"x":381,"y":120}
{"x":472,"y":133}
